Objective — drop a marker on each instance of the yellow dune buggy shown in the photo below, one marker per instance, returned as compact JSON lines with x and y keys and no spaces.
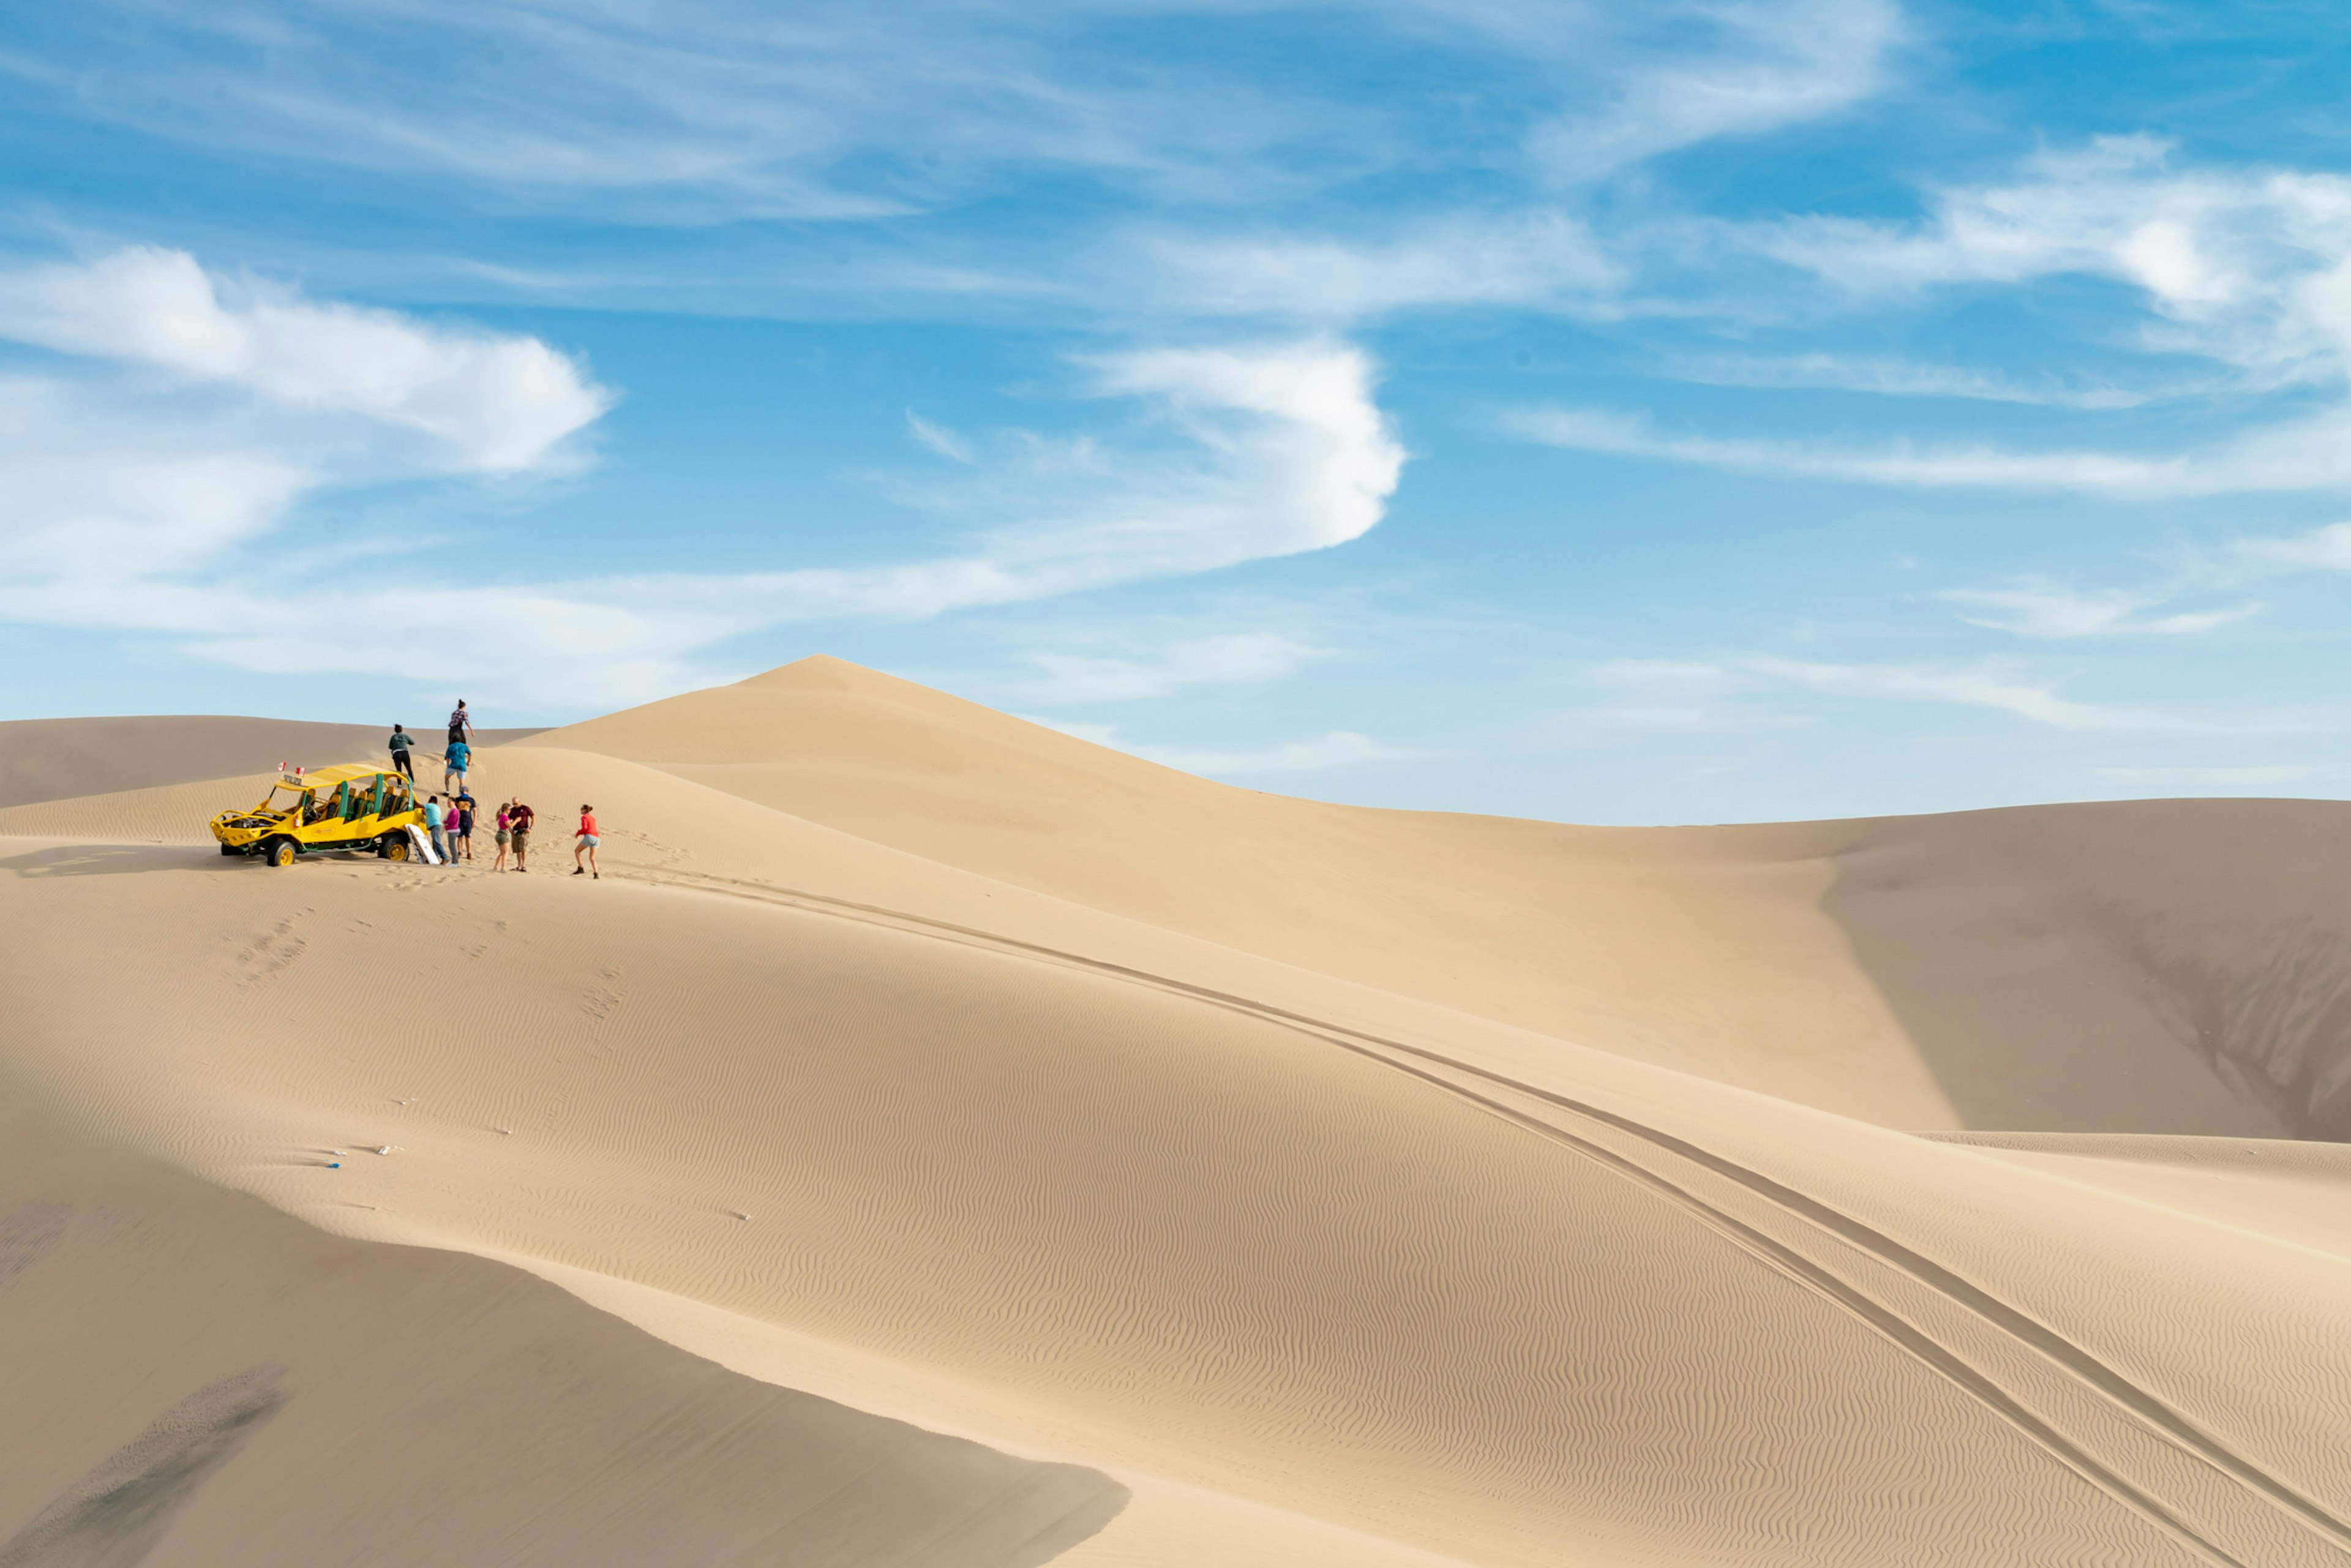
{"x":354,"y":808}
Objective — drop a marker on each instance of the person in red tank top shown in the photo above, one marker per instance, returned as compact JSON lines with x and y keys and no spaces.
{"x":583,"y":842}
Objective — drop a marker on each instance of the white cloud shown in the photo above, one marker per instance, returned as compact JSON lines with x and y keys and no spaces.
{"x":487,"y":403}
{"x":1766,"y":67}
{"x":2250,"y":269}
{"x":1288,"y":451}
{"x":1751,"y":690}
{"x":2304,"y":455}
{"x":940,"y":439}
{"x":1903,"y":378}
{"x":1990,"y":683}
{"x":148,"y":505}
{"x":2322,"y":549}
{"x":1533,"y":259}
{"x":2044,"y":610}
{"x":679,"y":113}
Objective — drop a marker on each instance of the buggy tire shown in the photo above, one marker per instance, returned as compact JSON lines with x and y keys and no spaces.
{"x":393,"y":846}
{"x":231,"y":849}
{"x":281,"y":851}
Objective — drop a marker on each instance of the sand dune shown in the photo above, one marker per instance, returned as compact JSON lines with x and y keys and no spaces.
{"x":207,"y":1372}
{"x":57,"y":758}
{"x":2010,"y":969}
{"x":1543,"y":1215}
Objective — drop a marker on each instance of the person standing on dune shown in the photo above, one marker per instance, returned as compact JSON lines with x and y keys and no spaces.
{"x":505,"y":836}
{"x":585,"y":842}
{"x":433,"y":819}
{"x":521,"y":816}
{"x":400,"y":741}
{"x":461,"y":724}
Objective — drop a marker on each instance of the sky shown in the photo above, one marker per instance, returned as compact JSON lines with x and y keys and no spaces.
{"x":1729,"y":411}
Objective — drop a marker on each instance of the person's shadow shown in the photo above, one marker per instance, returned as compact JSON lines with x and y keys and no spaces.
{"x":116,"y":860}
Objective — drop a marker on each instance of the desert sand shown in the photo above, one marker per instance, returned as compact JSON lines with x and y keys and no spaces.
{"x":939,"y":1140}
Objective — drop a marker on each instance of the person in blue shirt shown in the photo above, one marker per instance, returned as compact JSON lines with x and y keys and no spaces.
{"x":459,"y":758}
{"x":433,"y":818}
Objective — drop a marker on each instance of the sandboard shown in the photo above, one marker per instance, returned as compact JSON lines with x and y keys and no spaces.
{"x":423,"y":842}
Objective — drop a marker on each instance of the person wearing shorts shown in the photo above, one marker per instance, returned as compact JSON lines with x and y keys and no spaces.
{"x":459,"y":760}
{"x":584,"y":841}
{"x":505,"y":821}
{"x":521,"y":816}
{"x":464,"y":839}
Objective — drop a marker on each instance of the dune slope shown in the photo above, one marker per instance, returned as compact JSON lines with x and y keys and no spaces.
{"x":2013,"y":970}
{"x":204,"y":1372}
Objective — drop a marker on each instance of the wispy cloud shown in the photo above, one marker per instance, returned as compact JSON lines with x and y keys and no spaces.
{"x":1989,"y":683}
{"x":1762,"y":67}
{"x":2326,"y":548}
{"x":2310,"y":455}
{"x":2247,"y":269}
{"x":2038,"y":609}
{"x":1058,"y":677}
{"x":940,"y":439}
{"x":139,"y":506}
{"x":1538,"y":260}
{"x":2240,"y":265}
{"x":1754,"y":690}
{"x":1914,"y":379}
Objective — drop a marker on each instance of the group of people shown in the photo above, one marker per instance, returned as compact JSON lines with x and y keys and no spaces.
{"x":451,"y":823}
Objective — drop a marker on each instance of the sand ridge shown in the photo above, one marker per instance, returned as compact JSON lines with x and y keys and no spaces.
{"x":1317,"y":1271}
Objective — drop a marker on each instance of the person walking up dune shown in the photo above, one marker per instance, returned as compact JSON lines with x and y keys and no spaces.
{"x":520,"y":817}
{"x":586,"y":839}
{"x":401,"y":742}
{"x":461,"y":724}
{"x":455,"y":765}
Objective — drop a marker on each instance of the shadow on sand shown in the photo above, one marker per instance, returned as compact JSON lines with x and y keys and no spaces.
{"x":122,"y":859}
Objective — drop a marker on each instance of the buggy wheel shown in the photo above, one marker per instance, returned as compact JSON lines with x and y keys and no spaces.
{"x":392,"y":846}
{"x":231,"y":849}
{"x":281,"y":852}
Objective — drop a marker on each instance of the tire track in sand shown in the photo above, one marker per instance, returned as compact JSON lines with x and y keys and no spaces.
{"x":2148,"y":1457}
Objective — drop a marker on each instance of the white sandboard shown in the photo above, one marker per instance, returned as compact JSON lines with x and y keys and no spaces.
{"x":423,"y":842}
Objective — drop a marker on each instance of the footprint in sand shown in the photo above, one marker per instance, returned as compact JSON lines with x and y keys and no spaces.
{"x":266,"y":955}
{"x":599,"y":1002}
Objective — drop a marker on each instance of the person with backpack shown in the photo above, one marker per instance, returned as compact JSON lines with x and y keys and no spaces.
{"x":400,"y":741}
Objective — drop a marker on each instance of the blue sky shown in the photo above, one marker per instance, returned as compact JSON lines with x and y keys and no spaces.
{"x":1685,"y":413}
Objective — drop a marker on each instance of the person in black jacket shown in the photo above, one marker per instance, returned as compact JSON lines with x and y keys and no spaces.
{"x":400,"y":741}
